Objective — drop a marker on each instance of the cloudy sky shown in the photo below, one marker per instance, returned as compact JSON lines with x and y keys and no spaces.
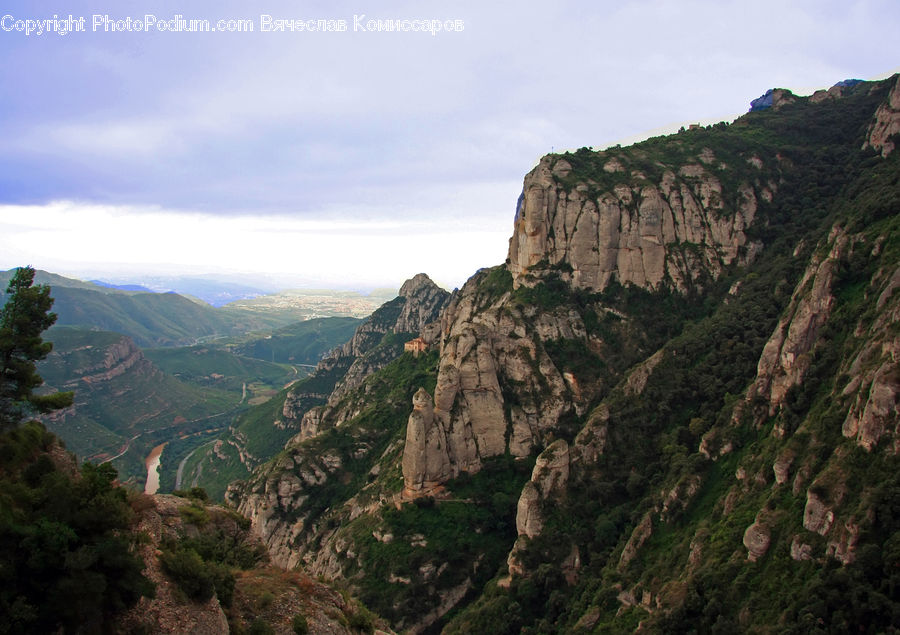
{"x":361,"y":158}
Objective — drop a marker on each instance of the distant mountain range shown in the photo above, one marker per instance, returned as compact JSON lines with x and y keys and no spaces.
{"x":122,"y":287}
{"x":155,"y":319}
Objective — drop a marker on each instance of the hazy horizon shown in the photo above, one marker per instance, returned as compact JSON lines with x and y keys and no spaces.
{"x":360,"y":156}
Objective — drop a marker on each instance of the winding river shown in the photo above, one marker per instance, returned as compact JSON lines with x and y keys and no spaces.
{"x":152,"y":463}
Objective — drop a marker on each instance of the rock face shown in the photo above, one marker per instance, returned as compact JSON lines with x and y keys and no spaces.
{"x":549,"y":479}
{"x":528,"y":516}
{"x":886,"y":123}
{"x":417,"y":306}
{"x":635,"y":232}
{"x":817,"y":517}
{"x":757,"y":539}
{"x":643,"y":438}
{"x":875,"y":375}
{"x":484,"y":347}
{"x":773,"y":98}
{"x":786,"y":356}
{"x":425,"y":461}
{"x":415,"y":311}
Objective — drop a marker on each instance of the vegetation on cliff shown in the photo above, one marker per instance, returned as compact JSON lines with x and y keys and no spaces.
{"x":708,"y":323}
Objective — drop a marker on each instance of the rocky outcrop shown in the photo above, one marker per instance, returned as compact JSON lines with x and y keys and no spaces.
{"x":529,"y":521}
{"x":774,"y":98}
{"x":886,"y":123}
{"x":757,"y":539}
{"x":161,"y":520}
{"x":874,"y":374}
{"x":835,"y":92}
{"x":637,"y":539}
{"x":548,"y":481}
{"x":283,"y":493}
{"x":418,"y":303}
{"x":876,"y":410}
{"x":169,"y":611}
{"x":800,"y":550}
{"x":672,"y":233}
{"x":414,"y":310}
{"x":547,"y":485}
{"x":497,"y":388}
{"x":423,"y":303}
{"x":114,"y":360}
{"x":782,"y":467}
{"x":786,"y":356}
{"x":426,"y":463}
{"x":817,"y":516}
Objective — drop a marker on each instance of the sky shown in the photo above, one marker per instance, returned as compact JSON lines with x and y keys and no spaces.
{"x":358,"y":158}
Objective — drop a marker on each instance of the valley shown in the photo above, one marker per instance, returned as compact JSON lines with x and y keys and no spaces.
{"x":130,"y":399}
{"x":672,"y":409}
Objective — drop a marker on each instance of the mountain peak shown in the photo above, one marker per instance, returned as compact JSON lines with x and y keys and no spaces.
{"x":416,"y":284}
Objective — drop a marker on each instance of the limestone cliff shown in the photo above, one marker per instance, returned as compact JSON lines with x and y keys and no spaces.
{"x":497,"y":388}
{"x":318,"y":403}
{"x":673,"y":229}
{"x":886,"y":123}
{"x":694,"y":339}
{"x":417,"y":306}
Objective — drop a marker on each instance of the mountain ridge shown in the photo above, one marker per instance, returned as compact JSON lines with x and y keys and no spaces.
{"x":619,"y":351}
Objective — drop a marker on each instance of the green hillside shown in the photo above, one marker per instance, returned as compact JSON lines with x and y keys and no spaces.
{"x":159,"y":319}
{"x":214,"y":367}
{"x":300,"y":343}
{"x":123,"y":403}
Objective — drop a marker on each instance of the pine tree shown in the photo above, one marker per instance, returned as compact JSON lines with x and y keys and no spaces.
{"x":24,"y":317}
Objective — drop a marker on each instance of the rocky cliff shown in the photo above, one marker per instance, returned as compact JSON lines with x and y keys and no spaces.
{"x":885,"y":125}
{"x":679,"y":392}
{"x":314,"y":405}
{"x":673,"y":228}
{"x":417,"y":306}
{"x":257,"y":594}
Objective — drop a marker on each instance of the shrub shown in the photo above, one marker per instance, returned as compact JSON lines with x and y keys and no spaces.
{"x":194,"y":514}
{"x":190,"y":573}
{"x":300,"y":625}
{"x":266,"y":599}
{"x":259,"y":627}
{"x":362,"y":620}
{"x":195,"y":493}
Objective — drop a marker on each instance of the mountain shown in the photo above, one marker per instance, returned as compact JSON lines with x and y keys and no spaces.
{"x":169,"y":319}
{"x":128,"y":400}
{"x":674,"y":408}
{"x":122,"y":287}
{"x":81,"y":553}
{"x":300,"y":343}
{"x":124,"y":404}
{"x":299,"y":410}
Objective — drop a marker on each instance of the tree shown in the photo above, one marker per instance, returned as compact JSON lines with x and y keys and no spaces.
{"x":24,"y":317}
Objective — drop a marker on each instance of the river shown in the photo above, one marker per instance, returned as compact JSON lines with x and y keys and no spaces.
{"x":152,"y":463}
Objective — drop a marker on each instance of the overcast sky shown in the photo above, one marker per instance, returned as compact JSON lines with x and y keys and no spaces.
{"x":361,"y":157}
